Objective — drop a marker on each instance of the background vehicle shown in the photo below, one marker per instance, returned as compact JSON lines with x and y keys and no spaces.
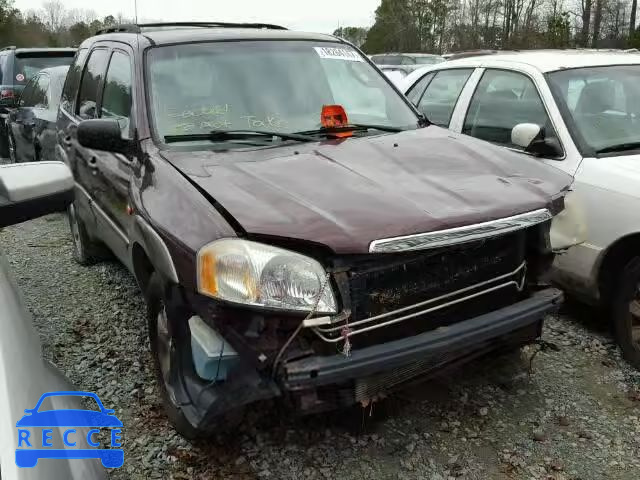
{"x":469,"y":53}
{"x":404,"y":63}
{"x":282,"y":249}
{"x":32,"y":124}
{"x":17,"y":66}
{"x":578,"y":111}
{"x":28,"y":191}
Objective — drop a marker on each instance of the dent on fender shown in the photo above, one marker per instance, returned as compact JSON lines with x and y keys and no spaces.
{"x":155,"y":248}
{"x":569,"y":227}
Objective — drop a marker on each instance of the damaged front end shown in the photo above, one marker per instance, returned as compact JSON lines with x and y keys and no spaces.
{"x":409,"y":308}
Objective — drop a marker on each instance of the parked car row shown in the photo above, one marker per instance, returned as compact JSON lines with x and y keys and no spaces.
{"x":405,"y":63}
{"x":299,"y":228}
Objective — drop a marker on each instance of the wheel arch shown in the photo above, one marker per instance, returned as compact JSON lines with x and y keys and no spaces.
{"x":614,"y":258}
{"x":149,"y":253}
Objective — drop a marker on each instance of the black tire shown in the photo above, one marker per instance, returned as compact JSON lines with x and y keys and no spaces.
{"x":156,"y":306}
{"x":626,"y":312}
{"x":85,"y":250}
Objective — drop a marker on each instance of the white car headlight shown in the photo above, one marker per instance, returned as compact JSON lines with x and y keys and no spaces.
{"x":252,"y":273}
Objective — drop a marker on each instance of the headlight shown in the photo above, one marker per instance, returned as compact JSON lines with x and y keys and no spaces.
{"x":256,"y":274}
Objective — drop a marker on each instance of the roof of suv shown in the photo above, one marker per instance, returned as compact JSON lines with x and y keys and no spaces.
{"x":552,"y":60}
{"x":167,"y":36}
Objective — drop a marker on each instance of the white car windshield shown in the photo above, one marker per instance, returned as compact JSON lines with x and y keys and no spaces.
{"x":601,"y":106}
{"x":274,"y":86}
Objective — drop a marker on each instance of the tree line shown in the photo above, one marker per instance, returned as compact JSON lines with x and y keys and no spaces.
{"x":440,"y":26}
{"x":436,"y":26}
{"x":53,"y":25}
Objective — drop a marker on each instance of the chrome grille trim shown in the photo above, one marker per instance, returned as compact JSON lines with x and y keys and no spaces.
{"x":322,"y":331}
{"x":458,"y":235}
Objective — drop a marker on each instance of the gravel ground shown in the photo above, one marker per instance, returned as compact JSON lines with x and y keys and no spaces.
{"x":575,"y":415}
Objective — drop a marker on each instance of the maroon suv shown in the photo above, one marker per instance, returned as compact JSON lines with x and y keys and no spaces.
{"x":298,"y":230}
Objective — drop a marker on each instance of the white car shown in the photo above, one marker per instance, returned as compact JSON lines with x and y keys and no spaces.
{"x":30,"y":190}
{"x":580,"y":113}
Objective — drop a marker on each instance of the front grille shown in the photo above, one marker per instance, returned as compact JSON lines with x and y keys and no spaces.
{"x":390,"y":284}
{"x":408,"y":293}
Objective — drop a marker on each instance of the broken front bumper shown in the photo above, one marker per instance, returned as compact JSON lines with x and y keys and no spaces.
{"x":414,"y":355}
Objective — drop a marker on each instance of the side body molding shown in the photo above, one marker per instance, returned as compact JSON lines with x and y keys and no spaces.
{"x":143,"y":234}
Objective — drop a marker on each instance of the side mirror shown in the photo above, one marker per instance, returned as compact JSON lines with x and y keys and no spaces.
{"x":532,"y":139}
{"x":103,"y":134}
{"x":31,"y":190}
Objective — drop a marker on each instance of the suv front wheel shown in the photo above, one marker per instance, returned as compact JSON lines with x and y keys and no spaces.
{"x":626,"y":312}
{"x":163,"y":346}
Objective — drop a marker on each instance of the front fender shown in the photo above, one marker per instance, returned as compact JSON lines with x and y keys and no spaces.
{"x":156,"y":250}
{"x":175,"y":219}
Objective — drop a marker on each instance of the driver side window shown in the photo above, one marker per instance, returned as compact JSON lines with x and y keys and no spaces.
{"x":116,"y":98}
{"x":90,"y":84}
{"x":502,"y":100}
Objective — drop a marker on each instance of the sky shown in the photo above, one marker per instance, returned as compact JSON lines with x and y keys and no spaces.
{"x":310,"y":15}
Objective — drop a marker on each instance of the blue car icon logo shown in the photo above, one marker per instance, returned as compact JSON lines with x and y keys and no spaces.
{"x":66,"y":420}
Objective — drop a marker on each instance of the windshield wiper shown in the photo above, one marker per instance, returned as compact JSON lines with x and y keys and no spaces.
{"x":357,"y":127}
{"x":236,"y":135}
{"x":621,"y":147}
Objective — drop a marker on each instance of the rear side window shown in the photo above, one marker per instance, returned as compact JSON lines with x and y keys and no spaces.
{"x":27,"y":98}
{"x":441,"y":96}
{"x":73,"y":81}
{"x":30,"y":63}
{"x":90,"y":84}
{"x":3,"y":68}
{"x":116,"y":98}
{"x":40,"y":94}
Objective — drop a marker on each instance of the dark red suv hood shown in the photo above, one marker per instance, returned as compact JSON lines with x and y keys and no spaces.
{"x":345,"y":194}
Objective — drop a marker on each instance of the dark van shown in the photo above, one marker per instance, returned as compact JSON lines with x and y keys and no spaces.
{"x":17,"y":66}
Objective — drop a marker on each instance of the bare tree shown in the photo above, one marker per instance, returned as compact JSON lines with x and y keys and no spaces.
{"x":586,"y":22}
{"x":632,"y":20}
{"x":597,"y":22}
{"x":53,"y":14}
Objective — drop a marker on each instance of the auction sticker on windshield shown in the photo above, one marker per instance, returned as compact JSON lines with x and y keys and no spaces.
{"x":65,"y":433}
{"x":336,"y":53}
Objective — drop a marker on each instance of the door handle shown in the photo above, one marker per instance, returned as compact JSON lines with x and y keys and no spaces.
{"x":67,"y":141}
{"x":93,"y":161}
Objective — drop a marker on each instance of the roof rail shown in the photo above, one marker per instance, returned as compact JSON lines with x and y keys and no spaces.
{"x":137,"y":28}
{"x":11,"y":47}
{"x":266,"y":26}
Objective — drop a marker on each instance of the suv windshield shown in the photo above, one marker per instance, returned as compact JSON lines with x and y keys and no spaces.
{"x":28,"y":64}
{"x":602,"y":106}
{"x":277,"y":86}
